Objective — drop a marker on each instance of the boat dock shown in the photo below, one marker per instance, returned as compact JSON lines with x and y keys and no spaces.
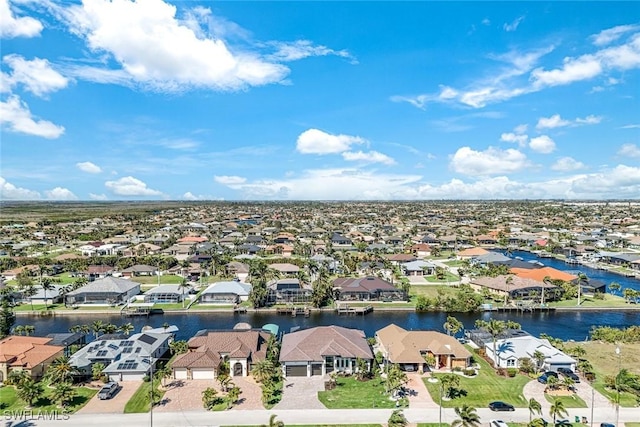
{"x":525,"y":309}
{"x":346,"y":309}
{"x":294,"y":311}
{"x":137,"y":309}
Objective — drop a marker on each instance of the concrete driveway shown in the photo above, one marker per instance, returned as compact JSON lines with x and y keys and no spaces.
{"x":116,"y":404}
{"x":301,"y":392}
{"x":420,"y":398}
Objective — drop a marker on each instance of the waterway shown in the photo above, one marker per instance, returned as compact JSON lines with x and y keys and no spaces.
{"x":571,"y":325}
{"x":600,"y":275}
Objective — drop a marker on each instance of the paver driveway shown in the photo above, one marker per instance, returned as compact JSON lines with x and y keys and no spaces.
{"x":301,"y":393}
{"x":116,"y":404}
{"x":420,"y":398}
{"x":186,"y":395}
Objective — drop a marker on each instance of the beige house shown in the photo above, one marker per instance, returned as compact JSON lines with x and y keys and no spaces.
{"x":409,"y":349}
{"x":30,"y":354}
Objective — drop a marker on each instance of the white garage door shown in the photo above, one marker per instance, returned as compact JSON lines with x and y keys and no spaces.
{"x":180,"y":373}
{"x":202,"y":374}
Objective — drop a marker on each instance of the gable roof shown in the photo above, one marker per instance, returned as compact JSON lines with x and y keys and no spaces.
{"x":315,"y":343}
{"x":108,"y":285}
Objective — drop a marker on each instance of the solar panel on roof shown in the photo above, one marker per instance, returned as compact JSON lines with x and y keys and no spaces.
{"x":127,"y":350}
{"x":102,"y":353}
{"x":148,"y":339}
{"x":113,"y":346}
{"x":138,"y":349}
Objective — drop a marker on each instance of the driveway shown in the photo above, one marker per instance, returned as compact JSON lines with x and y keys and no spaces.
{"x":116,"y":404}
{"x":186,"y":395}
{"x":420,"y":397}
{"x":534,"y":389}
{"x":301,"y":392}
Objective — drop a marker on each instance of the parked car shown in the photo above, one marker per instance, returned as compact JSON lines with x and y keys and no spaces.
{"x":501,"y":406}
{"x":607,"y":425}
{"x":108,"y":390}
{"x":570,"y":374}
{"x":543,"y":378}
{"x":498,"y":423}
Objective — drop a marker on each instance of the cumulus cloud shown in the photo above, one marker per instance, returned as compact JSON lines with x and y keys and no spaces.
{"x":629,"y":150}
{"x":567,"y":164}
{"x":190,"y":196}
{"x":60,"y":193}
{"x":16,"y":117}
{"x":556,"y":121}
{"x":98,"y":197}
{"x":520,"y":139}
{"x":314,"y":141}
{"x":368,"y":157}
{"x":542,"y":144}
{"x":610,"y":35}
{"x":492,"y":161}
{"x":229,"y":180}
{"x":157,"y":51}
{"x":8,"y":191}
{"x":303,"y":49}
{"x":130,"y":186}
{"x":36,"y":75}
{"x":620,"y":182}
{"x":13,"y":26}
{"x":88,"y":167}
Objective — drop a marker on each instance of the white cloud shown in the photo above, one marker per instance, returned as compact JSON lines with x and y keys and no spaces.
{"x":368,"y":157}
{"x":229,"y":180}
{"x":13,"y":26}
{"x":190,"y":196}
{"x":573,"y":69}
{"x":88,"y":167}
{"x":37,"y":75}
{"x":99,"y":197}
{"x":60,"y":193}
{"x":629,"y":150}
{"x":159,"y":52}
{"x":8,"y":191}
{"x":520,"y":139}
{"x":130,"y":186}
{"x":15,"y":116}
{"x":542,"y":144}
{"x":620,"y":182}
{"x":567,"y":164}
{"x":303,"y":49}
{"x":492,"y":161}
{"x":520,"y":129}
{"x":314,"y":141}
{"x":556,"y":121}
{"x":508,"y":27}
{"x":610,"y":35}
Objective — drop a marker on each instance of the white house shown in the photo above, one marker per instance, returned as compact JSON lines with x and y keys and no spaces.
{"x":511,"y":350}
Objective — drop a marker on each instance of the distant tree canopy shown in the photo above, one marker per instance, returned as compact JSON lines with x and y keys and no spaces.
{"x":613,"y":335}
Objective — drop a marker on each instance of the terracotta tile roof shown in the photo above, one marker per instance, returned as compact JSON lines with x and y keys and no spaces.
{"x":540,"y":273}
{"x":316,"y":343}
{"x":26,"y":352}
{"x":472,"y":252}
{"x":406,"y":346}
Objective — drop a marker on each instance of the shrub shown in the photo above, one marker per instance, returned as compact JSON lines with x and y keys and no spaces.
{"x":511,"y":372}
{"x":469,"y":372}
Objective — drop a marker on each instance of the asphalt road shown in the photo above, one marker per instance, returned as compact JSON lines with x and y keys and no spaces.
{"x":303,"y":416}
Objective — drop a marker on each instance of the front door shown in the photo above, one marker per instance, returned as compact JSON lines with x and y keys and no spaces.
{"x":237,"y":369}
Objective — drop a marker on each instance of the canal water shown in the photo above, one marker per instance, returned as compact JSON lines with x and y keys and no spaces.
{"x":600,"y":275}
{"x":574,"y":325}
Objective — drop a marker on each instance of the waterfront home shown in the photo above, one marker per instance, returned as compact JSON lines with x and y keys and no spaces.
{"x":164,"y":294}
{"x":516,"y":287}
{"x":30,"y":354}
{"x":52,"y":296}
{"x":289,"y":290}
{"x":511,"y":351}
{"x":67,"y":340}
{"x":324,"y":349}
{"x":106,"y":291}
{"x":493,"y":258}
{"x":369,"y":288}
{"x":471,"y":253}
{"x":231,"y":292}
{"x":127,"y":359}
{"x":541,"y":274}
{"x":409,"y":349}
{"x":208,"y":349}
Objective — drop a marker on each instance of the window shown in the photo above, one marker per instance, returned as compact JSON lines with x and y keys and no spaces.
{"x":511,"y":363}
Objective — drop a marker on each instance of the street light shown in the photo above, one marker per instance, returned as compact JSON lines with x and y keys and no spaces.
{"x":618,"y":387}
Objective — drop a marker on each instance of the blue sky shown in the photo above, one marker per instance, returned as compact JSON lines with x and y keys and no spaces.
{"x":150,"y":99}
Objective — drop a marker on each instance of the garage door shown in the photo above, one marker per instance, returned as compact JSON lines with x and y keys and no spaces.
{"x":297,"y":371}
{"x":316,"y":369}
{"x":180,"y":374}
{"x":202,"y":374}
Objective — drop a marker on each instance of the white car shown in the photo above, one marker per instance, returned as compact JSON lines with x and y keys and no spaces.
{"x":498,"y":423}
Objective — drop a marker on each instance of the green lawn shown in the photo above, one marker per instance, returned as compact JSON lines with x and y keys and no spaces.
{"x":484,"y":388}
{"x":198,"y":306}
{"x":140,"y":401}
{"x":38,"y":307}
{"x":448,"y":278}
{"x":569,"y":401}
{"x":608,"y":301}
{"x":431,"y":291}
{"x":9,"y":401}
{"x":167,"y":279}
{"x":351,"y":393}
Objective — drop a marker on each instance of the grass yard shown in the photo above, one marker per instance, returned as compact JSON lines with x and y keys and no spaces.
{"x":448,"y":278}
{"x":484,"y":388}
{"x":9,"y":401}
{"x":431,"y":291}
{"x":38,"y":307}
{"x":167,"y":279}
{"x":140,"y":401}
{"x":568,"y":401}
{"x":608,"y":301}
{"x":605,"y":362}
{"x":352,"y":394}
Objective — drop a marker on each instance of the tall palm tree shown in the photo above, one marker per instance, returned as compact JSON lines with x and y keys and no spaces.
{"x":29,"y":391}
{"x":47,"y":285}
{"x":495,"y":328}
{"x":184,"y":284}
{"x":262,"y":370}
{"x":97,"y":326}
{"x":468,"y":417}
{"x":452,"y":325}
{"x":110,"y":328}
{"x":63,"y":393}
{"x":61,"y":371}
{"x":557,"y":409}
{"x":126,"y":328}
{"x":534,"y":408}
{"x":539,"y":358}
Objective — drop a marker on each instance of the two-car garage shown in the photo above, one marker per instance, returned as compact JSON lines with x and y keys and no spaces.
{"x":196,"y":374}
{"x":303,"y":370}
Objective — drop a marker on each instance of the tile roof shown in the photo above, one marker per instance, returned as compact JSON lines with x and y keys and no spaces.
{"x":26,"y":351}
{"x":362,"y":284}
{"x":316,"y":343}
{"x":540,"y":273}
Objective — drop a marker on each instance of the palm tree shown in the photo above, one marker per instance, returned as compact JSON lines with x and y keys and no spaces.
{"x":539,"y":358}
{"x":397,"y":419}
{"x":263,"y":370}
{"x":179,"y":347}
{"x":18,"y":330}
{"x":614,"y":287}
{"x":552,"y":383}
{"x":233,"y":395}
{"x":495,"y":329}
{"x":47,"y":285}
{"x":29,"y":391}
{"x":97,"y":326}
{"x":96,"y":370}
{"x":182,"y":286}
{"x":29,"y":329}
{"x":557,"y":409}
{"x":126,"y":328}
{"x":534,"y":408}
{"x":452,"y":325}
{"x":468,"y":417}
{"x":61,"y":371}
{"x":110,"y":328}
{"x":273,"y":422}
{"x":63,"y":393}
